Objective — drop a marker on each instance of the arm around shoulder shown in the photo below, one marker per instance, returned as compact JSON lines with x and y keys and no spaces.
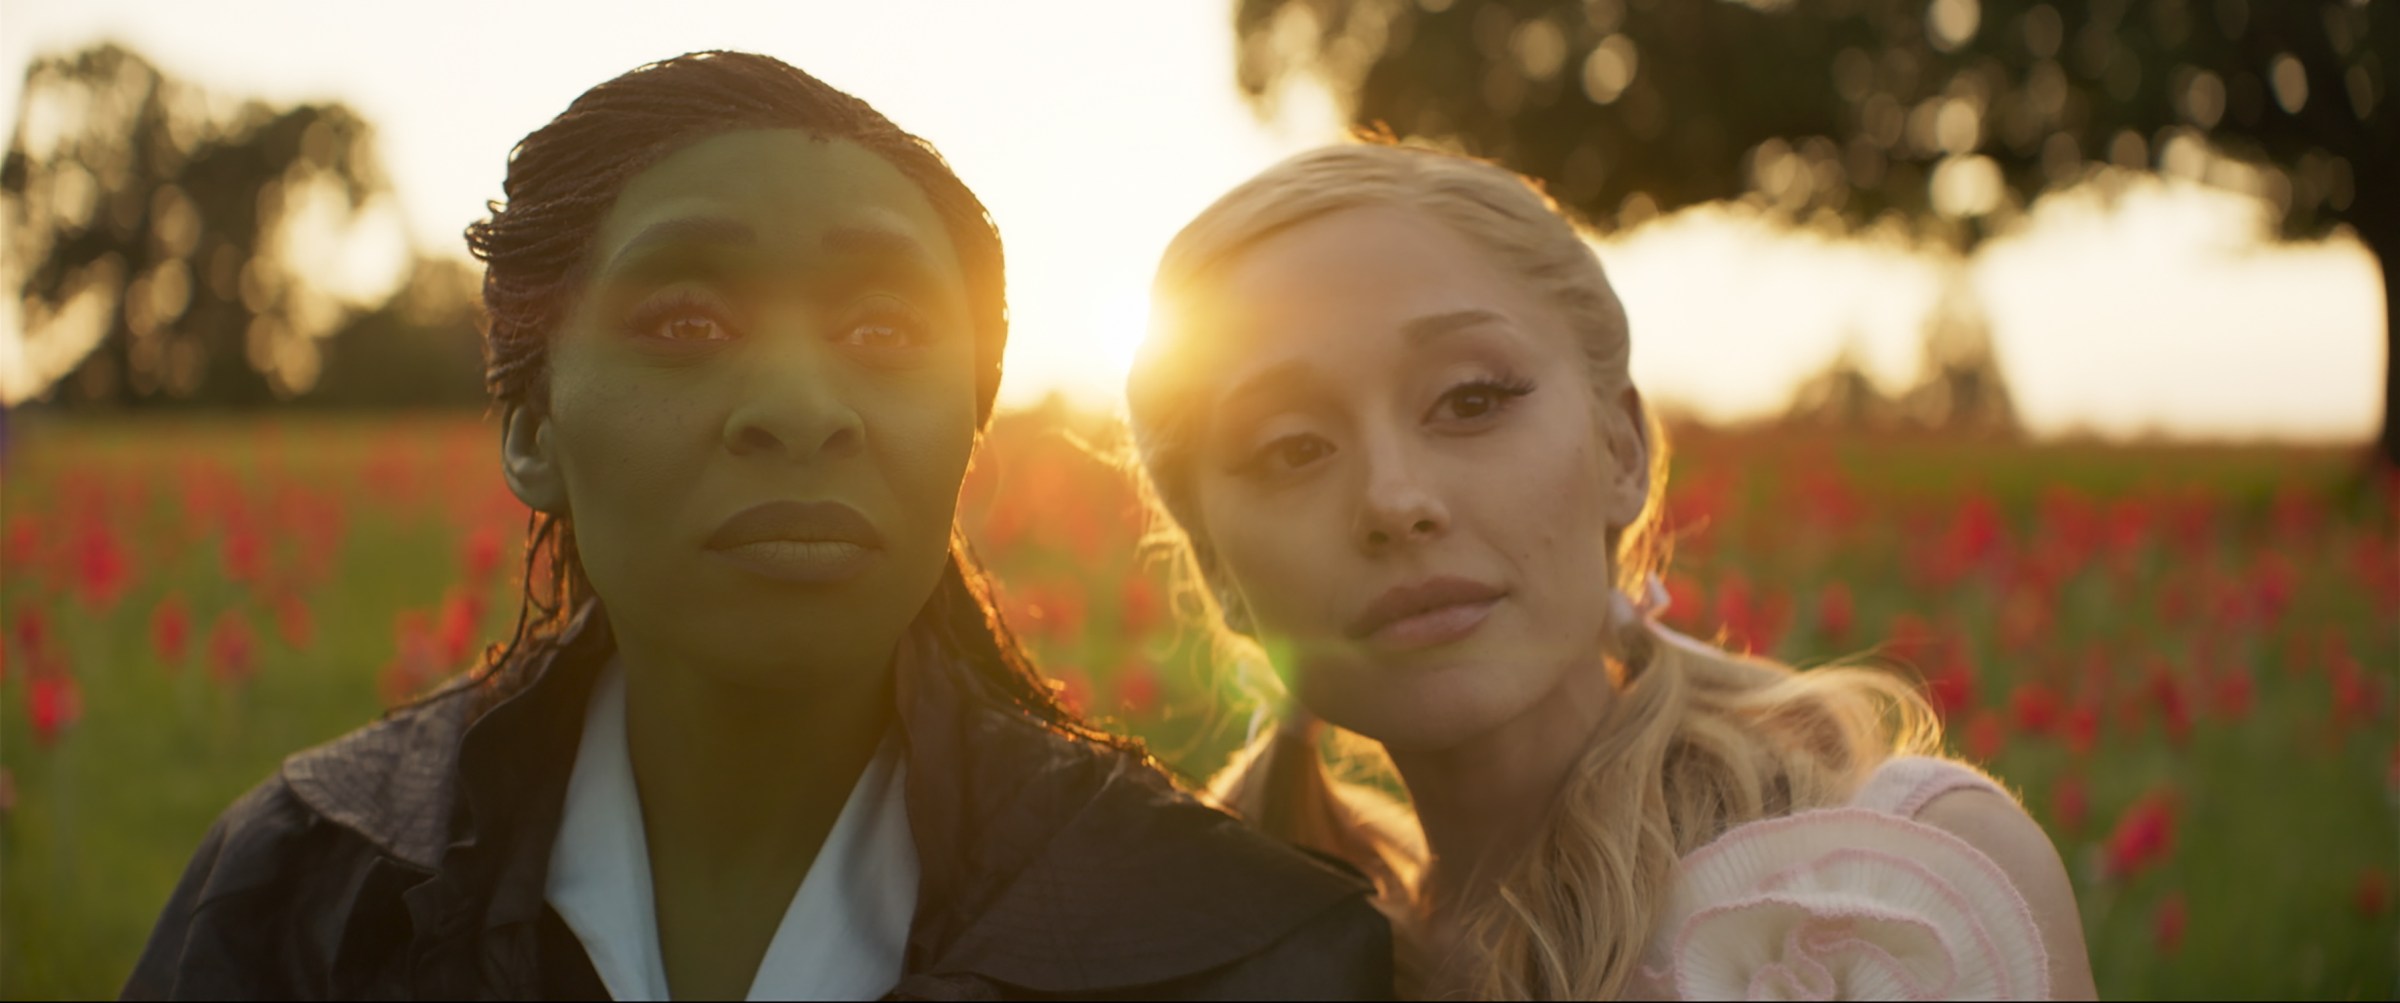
{"x":1998,"y":828}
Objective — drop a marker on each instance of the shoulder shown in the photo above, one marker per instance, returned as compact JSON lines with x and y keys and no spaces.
{"x":1999,"y":829}
{"x":252,"y":915}
{"x":1135,"y":883}
{"x":391,"y":782}
{"x":1856,"y":902}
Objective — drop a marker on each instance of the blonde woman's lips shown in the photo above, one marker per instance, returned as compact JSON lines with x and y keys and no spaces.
{"x":1425,"y":613}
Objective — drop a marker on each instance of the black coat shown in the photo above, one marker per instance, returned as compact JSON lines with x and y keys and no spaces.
{"x":409,"y":859}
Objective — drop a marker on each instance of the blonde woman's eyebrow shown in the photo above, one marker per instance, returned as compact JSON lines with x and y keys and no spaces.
{"x":1266,"y":388}
{"x":1433,"y":327}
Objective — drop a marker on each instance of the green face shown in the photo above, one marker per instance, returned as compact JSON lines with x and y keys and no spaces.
{"x":762,"y":407}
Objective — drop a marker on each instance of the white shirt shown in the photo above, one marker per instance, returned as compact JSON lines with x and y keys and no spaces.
{"x":841,"y":938}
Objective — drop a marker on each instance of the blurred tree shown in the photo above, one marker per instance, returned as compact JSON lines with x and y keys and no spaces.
{"x":149,"y":225}
{"x":1959,"y":388}
{"x":1946,"y":118}
{"x":420,"y":348}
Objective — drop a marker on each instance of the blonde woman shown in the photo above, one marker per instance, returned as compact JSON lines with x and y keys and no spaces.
{"x":1387,"y":407}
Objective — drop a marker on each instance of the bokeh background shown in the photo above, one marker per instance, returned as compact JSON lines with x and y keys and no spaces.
{"x":2041,"y":350}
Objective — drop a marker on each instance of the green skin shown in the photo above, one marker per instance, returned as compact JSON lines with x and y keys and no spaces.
{"x":703,"y":372}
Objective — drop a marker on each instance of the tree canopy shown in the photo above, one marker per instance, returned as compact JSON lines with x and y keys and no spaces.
{"x":1948,"y":117}
{"x":145,"y":231}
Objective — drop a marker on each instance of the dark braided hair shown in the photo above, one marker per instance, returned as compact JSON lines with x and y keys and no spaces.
{"x":562,"y":180}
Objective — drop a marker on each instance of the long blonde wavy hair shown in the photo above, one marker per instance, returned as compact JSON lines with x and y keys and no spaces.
{"x":1697,"y":741}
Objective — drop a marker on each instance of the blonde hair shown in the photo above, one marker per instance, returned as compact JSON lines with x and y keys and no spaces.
{"x":1698,"y":740}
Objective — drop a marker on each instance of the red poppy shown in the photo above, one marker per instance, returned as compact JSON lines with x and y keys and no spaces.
{"x":1768,"y":619}
{"x":1835,"y":612}
{"x":2174,"y":708}
{"x":1986,"y":735}
{"x":32,"y":632}
{"x":2081,"y":729}
{"x":53,"y":702}
{"x":1137,"y":688}
{"x":1914,"y":642}
{"x":1141,"y":605}
{"x":102,"y":568}
{"x":2071,"y":803}
{"x":2168,"y":922}
{"x":2373,"y":895}
{"x":1734,"y":613}
{"x":1952,"y":689}
{"x":1074,"y":691}
{"x":2036,"y":707}
{"x":413,"y":661}
{"x":245,"y":552}
{"x":293,"y":621}
{"x":1684,"y":599}
{"x":232,"y":649}
{"x":2144,"y":835}
{"x":482,"y":553}
{"x":455,"y":633}
{"x":2274,"y":582}
{"x":171,"y":630}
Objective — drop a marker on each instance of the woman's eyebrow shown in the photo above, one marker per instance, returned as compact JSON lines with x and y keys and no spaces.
{"x":876,"y":241}
{"x":1434,"y":327}
{"x":1275,"y":385}
{"x":688,"y":230}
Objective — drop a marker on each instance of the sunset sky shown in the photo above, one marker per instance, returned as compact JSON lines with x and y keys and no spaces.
{"x":1094,"y":129}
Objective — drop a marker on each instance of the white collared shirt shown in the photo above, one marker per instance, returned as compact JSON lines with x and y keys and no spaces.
{"x":841,"y":938}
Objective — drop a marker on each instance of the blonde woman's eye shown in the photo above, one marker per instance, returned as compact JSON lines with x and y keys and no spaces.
{"x":1481,"y":399}
{"x":1287,"y":454}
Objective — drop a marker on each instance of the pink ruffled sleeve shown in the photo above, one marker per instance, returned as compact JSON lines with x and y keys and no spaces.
{"x":1844,"y":903}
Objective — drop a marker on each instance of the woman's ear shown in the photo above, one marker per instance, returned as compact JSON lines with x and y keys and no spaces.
{"x":527,"y":460}
{"x":1627,"y":436}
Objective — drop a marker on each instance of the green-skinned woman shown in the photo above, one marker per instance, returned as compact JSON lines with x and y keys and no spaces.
{"x":758,"y":732}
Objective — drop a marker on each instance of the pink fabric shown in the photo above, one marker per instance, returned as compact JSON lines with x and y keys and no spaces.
{"x":1853,"y":902}
{"x":1904,"y":785}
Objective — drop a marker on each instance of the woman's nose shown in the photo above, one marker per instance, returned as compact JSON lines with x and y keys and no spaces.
{"x":1398,"y":508}
{"x":795,"y":405}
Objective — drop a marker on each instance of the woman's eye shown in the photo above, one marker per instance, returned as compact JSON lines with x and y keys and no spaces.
{"x":880,"y":334}
{"x":682,"y":318}
{"x":693,"y":327}
{"x":1289,"y":453}
{"x":883,"y":323}
{"x":1480,"y":399}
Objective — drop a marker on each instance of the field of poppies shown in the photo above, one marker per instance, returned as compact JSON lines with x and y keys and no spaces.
{"x":2185,"y":658}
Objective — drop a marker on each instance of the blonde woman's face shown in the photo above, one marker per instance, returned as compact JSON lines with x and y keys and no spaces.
{"x":1406,"y":478}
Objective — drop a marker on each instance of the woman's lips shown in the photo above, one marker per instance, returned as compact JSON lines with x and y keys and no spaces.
{"x":810,"y":543}
{"x":1426,"y":612}
{"x":806,"y":562}
{"x":1440,"y":625}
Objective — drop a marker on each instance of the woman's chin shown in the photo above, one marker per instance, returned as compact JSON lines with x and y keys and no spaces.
{"x":1430,"y":713}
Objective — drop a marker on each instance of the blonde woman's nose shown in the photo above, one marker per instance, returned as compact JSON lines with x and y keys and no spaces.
{"x":1398,"y":509}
